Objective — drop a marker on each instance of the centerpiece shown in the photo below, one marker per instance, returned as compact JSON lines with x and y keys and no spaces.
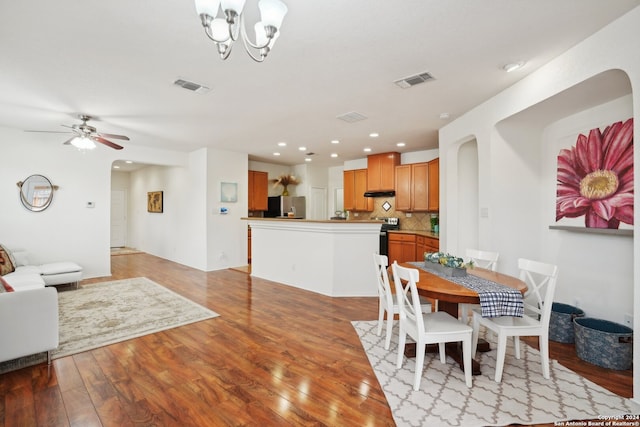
{"x":446,"y":264}
{"x":285,"y":180}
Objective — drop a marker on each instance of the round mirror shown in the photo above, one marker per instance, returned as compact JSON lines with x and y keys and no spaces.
{"x":36,"y":193}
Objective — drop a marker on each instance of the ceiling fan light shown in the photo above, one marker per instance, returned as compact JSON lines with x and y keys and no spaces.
{"x":235,"y":5}
{"x":272,"y":12}
{"x":83,"y":143}
{"x":207,"y":7}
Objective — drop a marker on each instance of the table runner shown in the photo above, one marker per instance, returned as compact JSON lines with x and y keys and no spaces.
{"x":495,"y":299}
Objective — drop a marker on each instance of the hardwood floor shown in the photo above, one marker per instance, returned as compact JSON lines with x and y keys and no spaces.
{"x":276,"y":356}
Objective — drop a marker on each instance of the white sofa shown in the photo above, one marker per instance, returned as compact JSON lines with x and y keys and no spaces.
{"x":29,"y":314}
{"x":28,"y":276}
{"x":28,"y":322}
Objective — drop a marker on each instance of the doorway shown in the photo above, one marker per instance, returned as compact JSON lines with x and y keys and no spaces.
{"x":318,"y":203}
{"x":118,"y":218}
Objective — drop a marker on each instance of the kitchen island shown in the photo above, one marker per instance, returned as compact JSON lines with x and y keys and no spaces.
{"x":329,"y":257}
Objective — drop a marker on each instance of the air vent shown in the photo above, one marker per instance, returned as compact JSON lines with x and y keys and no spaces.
{"x":407,"y":82}
{"x":352,"y":117}
{"x":193,"y":87}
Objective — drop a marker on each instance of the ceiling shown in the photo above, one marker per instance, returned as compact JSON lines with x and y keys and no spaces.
{"x":117,"y":60}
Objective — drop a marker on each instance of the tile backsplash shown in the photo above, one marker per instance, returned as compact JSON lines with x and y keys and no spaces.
{"x":418,"y":220}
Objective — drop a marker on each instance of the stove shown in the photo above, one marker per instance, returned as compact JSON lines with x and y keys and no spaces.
{"x":388,"y":224}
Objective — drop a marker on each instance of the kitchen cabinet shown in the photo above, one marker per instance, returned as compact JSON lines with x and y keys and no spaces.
{"x":426,"y":244}
{"x":417,"y":187}
{"x":434,"y":185}
{"x":355,"y":185}
{"x":402,"y":247}
{"x":258,"y":191}
{"x":381,"y":171}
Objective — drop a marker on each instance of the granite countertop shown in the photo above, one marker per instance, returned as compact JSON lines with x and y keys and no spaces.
{"x":425,"y":233}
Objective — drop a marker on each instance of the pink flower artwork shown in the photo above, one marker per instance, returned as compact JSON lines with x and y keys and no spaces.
{"x":595,"y":177}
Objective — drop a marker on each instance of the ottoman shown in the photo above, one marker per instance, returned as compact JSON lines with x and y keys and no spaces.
{"x":60,"y":273}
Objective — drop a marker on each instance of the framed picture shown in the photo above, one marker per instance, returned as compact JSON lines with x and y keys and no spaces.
{"x":229,"y":192}
{"x":595,"y":178}
{"x":154,"y":201}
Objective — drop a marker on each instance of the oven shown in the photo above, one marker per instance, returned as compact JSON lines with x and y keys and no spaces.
{"x":388,"y":224}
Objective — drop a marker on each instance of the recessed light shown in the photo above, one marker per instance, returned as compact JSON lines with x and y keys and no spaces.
{"x":444,"y":116}
{"x":307,"y":159}
{"x":282,"y":144}
{"x":334,"y":155}
{"x":128,"y":161}
{"x":374,"y":134}
{"x":276,"y":154}
{"x":116,"y":167}
{"x":512,"y":66}
{"x":302,"y":148}
{"x":335,"y":141}
{"x":367,"y":150}
{"x":400,"y":144}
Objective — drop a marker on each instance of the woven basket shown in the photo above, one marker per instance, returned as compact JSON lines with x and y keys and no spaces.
{"x":604,"y":343}
{"x":561,"y":323}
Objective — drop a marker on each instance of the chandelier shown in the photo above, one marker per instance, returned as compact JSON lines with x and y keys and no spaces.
{"x":224,"y":31}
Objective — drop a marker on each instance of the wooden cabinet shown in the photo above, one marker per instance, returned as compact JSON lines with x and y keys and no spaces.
{"x":355,"y":185}
{"x":426,"y":244}
{"x":434,"y":185}
{"x":402,"y":247}
{"x":417,"y":187}
{"x":258,"y":190}
{"x":381,"y":171}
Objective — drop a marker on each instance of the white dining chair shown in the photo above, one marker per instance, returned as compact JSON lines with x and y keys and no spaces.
{"x":437,"y":327}
{"x":482,"y":259}
{"x":541,"y":285}
{"x":386,"y":298}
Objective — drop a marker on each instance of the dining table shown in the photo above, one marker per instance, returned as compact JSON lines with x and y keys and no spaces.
{"x":449,"y":295}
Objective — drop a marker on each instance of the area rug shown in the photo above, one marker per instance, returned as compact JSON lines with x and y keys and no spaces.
{"x":523,"y":396}
{"x":124,"y":251}
{"x":105,"y":313}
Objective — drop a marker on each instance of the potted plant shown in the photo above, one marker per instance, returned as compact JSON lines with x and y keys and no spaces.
{"x":435,"y":224}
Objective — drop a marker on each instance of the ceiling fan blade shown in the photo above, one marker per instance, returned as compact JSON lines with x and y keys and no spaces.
{"x":48,"y":131}
{"x":112,"y":136}
{"x":108,"y":143}
{"x":68,"y":141}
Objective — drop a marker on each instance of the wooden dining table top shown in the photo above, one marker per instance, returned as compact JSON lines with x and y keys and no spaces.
{"x":439,"y":288}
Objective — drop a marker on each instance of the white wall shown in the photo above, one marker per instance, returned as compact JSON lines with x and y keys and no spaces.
{"x":67,"y":230}
{"x":178,"y":233}
{"x":226,"y":234}
{"x":516,"y":174}
{"x":606,"y":262}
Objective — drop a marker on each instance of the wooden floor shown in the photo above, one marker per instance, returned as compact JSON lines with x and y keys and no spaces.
{"x":275,"y":356}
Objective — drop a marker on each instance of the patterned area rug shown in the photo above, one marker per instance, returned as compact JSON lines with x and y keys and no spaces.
{"x":524,"y":396}
{"x":105,"y":313}
{"x":124,"y":251}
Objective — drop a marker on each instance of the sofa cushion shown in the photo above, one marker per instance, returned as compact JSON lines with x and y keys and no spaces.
{"x":20,"y":258}
{"x":22,"y":281}
{"x":4,"y":286}
{"x":59,"y":268}
{"x":7,"y":264}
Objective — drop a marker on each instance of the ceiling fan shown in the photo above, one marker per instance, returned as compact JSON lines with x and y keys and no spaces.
{"x":86,"y":136}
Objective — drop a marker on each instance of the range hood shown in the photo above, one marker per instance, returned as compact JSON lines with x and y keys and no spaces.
{"x":390,"y":193}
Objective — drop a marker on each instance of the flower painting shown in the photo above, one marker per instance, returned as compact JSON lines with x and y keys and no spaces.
{"x":595,"y":177}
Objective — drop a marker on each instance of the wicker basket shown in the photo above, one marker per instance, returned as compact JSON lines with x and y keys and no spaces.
{"x":561,"y":323}
{"x":604,"y":343}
